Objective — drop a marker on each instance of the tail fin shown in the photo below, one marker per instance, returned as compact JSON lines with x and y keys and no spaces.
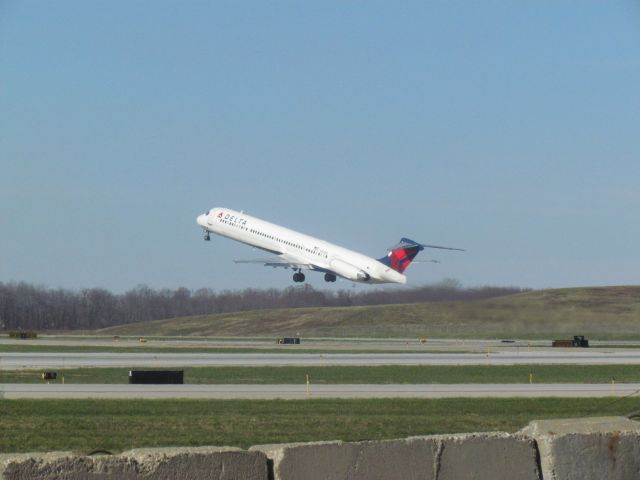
{"x":401,"y":255}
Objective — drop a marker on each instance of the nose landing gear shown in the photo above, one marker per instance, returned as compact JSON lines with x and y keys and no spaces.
{"x":207,"y":237}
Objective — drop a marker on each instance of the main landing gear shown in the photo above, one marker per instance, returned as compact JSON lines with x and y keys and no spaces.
{"x":298,"y":277}
{"x":329,"y":277}
{"x":207,"y":237}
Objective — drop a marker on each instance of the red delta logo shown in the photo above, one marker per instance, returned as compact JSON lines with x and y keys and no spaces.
{"x":220,"y":215}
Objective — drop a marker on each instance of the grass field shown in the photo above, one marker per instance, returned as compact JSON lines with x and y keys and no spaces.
{"x":116,"y":425}
{"x":606,"y":313}
{"x":347,"y":374}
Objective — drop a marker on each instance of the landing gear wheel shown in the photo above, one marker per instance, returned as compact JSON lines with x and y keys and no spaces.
{"x":329,"y":277}
{"x":207,"y":237}
{"x":298,"y":277}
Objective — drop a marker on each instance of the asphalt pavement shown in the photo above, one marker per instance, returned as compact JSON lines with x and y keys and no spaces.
{"x":21,"y":360}
{"x":266,"y":392}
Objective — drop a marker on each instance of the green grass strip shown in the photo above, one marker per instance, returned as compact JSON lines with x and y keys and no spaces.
{"x":117,"y":425}
{"x":348,"y":374}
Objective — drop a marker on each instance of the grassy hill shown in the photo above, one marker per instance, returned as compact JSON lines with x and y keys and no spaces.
{"x":598,"y":313}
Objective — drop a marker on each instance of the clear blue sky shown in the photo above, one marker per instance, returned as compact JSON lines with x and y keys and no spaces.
{"x":509,"y":128}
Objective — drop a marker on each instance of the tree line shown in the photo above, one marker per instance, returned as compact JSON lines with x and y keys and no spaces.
{"x":25,"y":306}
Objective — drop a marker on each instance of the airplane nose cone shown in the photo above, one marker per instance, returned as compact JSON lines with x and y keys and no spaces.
{"x":201,"y":219}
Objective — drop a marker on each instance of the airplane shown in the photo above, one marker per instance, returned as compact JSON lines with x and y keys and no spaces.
{"x":299,"y":252}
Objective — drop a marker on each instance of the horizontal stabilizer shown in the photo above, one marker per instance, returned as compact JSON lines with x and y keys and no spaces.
{"x":406,"y":243}
{"x":442,"y":248}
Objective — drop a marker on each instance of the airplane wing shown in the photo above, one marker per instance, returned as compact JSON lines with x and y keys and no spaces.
{"x":283,"y":260}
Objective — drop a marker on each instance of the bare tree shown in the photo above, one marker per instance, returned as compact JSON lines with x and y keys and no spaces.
{"x":25,"y":306}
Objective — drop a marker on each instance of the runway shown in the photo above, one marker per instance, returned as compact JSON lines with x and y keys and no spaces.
{"x":326,"y":344}
{"x":19,"y":360}
{"x":270,"y":392}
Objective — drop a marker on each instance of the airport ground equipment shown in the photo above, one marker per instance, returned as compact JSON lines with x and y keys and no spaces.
{"x":289,"y":341}
{"x":23,"y":334}
{"x":155,"y":377}
{"x":578,"y":342}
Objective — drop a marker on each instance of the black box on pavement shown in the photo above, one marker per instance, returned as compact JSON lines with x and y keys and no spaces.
{"x":156,"y":376}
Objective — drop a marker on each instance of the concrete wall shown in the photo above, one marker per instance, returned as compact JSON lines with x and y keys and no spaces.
{"x":585,"y":449}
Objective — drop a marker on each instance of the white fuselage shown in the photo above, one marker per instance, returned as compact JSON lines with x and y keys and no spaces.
{"x":313,"y":253}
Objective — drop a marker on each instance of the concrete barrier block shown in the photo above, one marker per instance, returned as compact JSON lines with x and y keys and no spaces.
{"x":163,"y":463}
{"x":63,"y":465}
{"x":490,"y":456}
{"x":445,"y":457}
{"x":587,"y":448}
{"x":389,"y":460}
{"x":218,"y":463}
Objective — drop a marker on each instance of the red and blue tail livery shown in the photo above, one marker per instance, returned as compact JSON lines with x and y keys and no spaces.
{"x":401,"y":255}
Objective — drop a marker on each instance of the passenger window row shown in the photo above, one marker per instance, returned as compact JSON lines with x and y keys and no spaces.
{"x":320,"y":253}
